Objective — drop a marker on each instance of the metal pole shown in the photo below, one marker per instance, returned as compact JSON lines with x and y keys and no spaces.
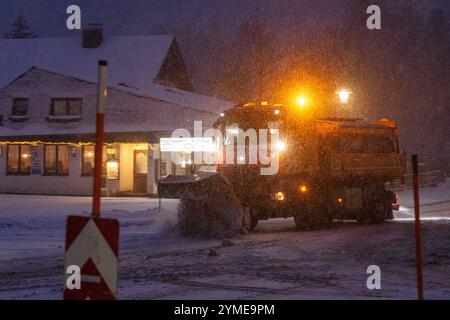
{"x":419,"y":262}
{"x":99,"y":141}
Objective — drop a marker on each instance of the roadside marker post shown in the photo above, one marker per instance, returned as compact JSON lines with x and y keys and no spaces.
{"x":92,"y":243}
{"x":419,"y":261}
{"x":99,"y":137}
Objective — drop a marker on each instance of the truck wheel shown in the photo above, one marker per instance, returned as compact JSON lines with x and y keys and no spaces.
{"x":389,"y":209}
{"x":312,"y":219}
{"x":375,"y":210}
{"x":253,"y":222}
{"x":250,"y":218}
{"x":304,"y":221}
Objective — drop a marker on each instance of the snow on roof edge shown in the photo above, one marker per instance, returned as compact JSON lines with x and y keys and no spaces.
{"x":193,"y":100}
{"x":160,"y":92}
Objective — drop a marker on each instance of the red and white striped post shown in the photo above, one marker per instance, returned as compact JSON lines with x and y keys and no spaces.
{"x":99,"y":137}
{"x":419,"y":262}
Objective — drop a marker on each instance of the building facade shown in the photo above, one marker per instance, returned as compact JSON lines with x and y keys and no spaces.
{"x":47,"y":129}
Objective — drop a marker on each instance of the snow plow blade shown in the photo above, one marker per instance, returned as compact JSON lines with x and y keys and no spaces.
{"x":174,"y":187}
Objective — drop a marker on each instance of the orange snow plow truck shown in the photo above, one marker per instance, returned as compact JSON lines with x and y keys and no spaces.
{"x":335,"y":168}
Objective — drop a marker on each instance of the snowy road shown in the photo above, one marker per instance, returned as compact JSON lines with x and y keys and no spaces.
{"x":274,"y":262}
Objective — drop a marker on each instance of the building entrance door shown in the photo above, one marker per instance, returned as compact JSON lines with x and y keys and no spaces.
{"x":140,"y":171}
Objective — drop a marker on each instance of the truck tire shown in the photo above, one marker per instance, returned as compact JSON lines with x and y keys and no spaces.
{"x":304,"y":221}
{"x":250,"y":218}
{"x":375,"y":209}
{"x":389,"y":209}
{"x":253,"y":222}
{"x":313,"y":218}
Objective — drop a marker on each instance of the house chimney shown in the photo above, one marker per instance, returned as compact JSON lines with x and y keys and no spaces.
{"x":92,"y":35}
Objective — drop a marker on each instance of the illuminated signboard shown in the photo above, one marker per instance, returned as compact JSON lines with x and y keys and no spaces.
{"x":187,"y":145}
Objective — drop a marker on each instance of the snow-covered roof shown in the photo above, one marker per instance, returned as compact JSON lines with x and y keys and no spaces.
{"x":135,"y":60}
{"x":181,"y":97}
{"x":133,"y":64}
{"x":173,"y":109}
{"x":142,"y":121}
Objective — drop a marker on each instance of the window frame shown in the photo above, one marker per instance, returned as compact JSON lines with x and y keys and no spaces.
{"x":67,"y":107}
{"x":105,"y":159}
{"x":57,"y":172}
{"x":365,"y":144}
{"x":20,"y":172}
{"x":14,"y":106}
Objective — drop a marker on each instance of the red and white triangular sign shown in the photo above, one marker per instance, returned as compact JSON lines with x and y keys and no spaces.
{"x":93,"y":245}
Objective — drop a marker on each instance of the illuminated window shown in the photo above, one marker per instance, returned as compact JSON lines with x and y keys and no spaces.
{"x":109,"y":158}
{"x":18,"y":160}
{"x":87,"y":164}
{"x":111,"y":153}
{"x":56,"y":160}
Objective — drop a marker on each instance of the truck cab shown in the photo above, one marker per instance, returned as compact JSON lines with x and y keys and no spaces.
{"x":329,"y":168}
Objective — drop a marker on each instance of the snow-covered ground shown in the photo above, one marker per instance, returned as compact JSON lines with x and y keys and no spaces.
{"x":274,"y":262}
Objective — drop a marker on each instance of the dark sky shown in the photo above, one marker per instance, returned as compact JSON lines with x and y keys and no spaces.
{"x":47,"y":17}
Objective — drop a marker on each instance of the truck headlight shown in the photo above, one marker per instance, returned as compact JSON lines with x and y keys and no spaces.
{"x":281,"y":146}
{"x":280,"y":196}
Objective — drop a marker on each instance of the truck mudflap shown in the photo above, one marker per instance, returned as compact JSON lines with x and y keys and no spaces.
{"x":174,"y":187}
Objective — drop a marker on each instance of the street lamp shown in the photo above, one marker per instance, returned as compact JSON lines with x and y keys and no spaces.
{"x":344,"y":96}
{"x":302,"y":101}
